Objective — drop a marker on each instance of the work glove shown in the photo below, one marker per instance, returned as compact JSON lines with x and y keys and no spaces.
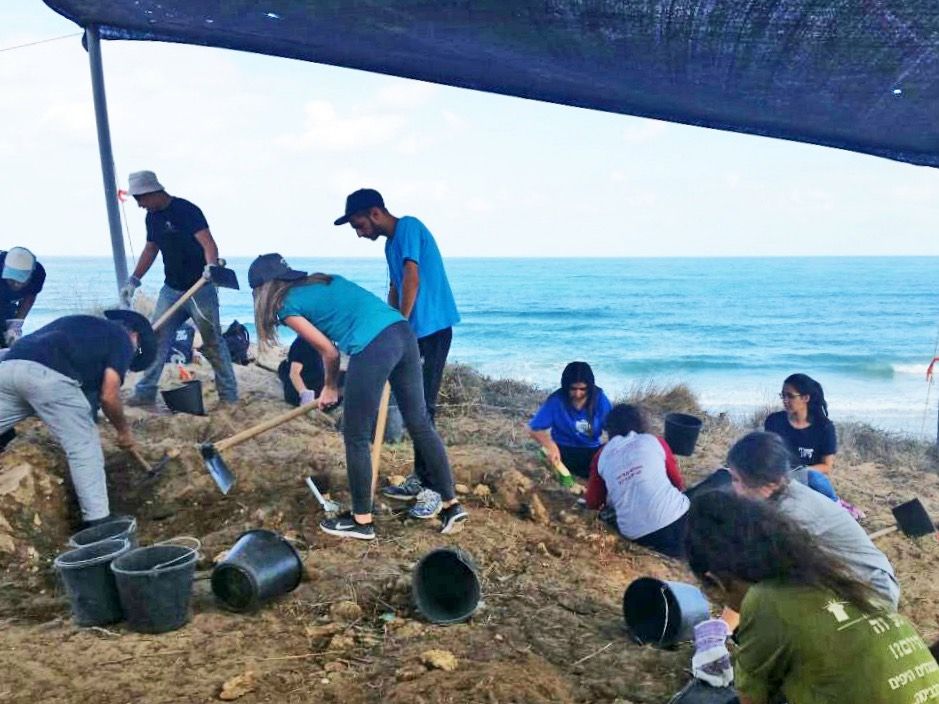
{"x":14,"y":330}
{"x":207,"y":270}
{"x":129,"y":289}
{"x":307,"y":396}
{"x":711,"y":661}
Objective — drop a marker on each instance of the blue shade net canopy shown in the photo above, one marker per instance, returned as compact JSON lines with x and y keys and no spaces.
{"x":861,"y":75}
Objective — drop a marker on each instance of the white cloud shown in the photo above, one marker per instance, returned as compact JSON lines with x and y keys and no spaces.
{"x":403,"y":94}
{"x":639,"y":130}
{"x":326,"y":129}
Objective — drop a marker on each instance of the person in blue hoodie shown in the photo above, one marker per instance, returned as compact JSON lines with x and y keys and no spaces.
{"x":570,"y":421}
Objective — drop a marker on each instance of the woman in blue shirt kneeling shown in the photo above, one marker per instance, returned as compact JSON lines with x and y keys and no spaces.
{"x":323,"y":308}
{"x":569,"y":423}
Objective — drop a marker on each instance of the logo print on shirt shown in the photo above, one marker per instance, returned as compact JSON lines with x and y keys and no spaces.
{"x":836,"y":609}
{"x":583,"y":426}
{"x":169,"y":227}
{"x":806,"y":452}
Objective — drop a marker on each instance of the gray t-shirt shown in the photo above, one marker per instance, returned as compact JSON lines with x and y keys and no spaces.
{"x":840,"y":533}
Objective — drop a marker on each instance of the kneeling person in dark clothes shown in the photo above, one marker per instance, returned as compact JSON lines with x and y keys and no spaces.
{"x":58,"y":371}
{"x":632,"y":478}
{"x":302,"y":373}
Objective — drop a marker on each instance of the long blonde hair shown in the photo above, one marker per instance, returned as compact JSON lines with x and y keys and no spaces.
{"x":268,"y":300}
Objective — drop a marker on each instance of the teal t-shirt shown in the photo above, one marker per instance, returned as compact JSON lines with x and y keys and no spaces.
{"x":818,"y":649}
{"x":346,"y":313}
{"x":434,"y":308}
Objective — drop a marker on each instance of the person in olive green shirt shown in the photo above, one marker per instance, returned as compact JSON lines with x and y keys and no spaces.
{"x":810,"y":631}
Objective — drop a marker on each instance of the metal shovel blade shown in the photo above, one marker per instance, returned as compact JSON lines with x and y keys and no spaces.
{"x":224,"y":277}
{"x":913,"y":519}
{"x":224,"y":479}
{"x":328,"y":505}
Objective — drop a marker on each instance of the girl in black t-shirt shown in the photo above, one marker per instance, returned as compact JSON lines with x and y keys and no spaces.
{"x":809,"y":434}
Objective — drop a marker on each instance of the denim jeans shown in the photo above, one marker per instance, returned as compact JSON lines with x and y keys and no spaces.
{"x":29,"y":388}
{"x":392,"y":355}
{"x":203,"y":309}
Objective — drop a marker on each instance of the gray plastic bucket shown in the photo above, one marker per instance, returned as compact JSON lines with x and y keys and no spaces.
{"x":681,"y":432}
{"x":185,"y":399}
{"x":445,"y":586}
{"x":260,"y":566}
{"x":155,"y":586}
{"x":120,"y":528}
{"x":663,"y":613}
{"x":89,"y":583}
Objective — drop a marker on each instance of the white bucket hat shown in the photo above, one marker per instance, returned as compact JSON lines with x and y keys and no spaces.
{"x":141,"y":182}
{"x":18,"y":265}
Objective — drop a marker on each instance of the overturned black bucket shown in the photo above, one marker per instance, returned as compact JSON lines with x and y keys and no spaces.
{"x":89,"y":582}
{"x":445,"y":586}
{"x":120,"y":528}
{"x":663,"y":613}
{"x":681,"y":432}
{"x":186,"y":398}
{"x":260,"y":566}
{"x":155,"y":586}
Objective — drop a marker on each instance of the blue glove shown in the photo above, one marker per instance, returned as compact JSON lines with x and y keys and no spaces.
{"x":14,"y":330}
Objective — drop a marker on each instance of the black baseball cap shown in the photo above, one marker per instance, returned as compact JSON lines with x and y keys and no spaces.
{"x":146,"y":338}
{"x":269,"y":267}
{"x":362,"y":199}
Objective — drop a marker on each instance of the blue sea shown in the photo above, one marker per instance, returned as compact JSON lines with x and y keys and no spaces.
{"x":732,"y":329}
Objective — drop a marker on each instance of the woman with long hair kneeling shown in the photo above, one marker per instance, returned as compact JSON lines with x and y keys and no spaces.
{"x":322,"y":308}
{"x":809,"y":629}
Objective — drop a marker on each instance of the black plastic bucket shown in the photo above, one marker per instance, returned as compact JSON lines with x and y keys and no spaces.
{"x":445,"y":586}
{"x":186,"y":398}
{"x":89,"y":583}
{"x":681,"y":432}
{"x":260,"y":566}
{"x":663,"y":613}
{"x":155,"y":585}
{"x":120,"y":528}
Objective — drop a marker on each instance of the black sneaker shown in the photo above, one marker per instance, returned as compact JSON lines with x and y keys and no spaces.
{"x":452,"y":518}
{"x":345,"y":526}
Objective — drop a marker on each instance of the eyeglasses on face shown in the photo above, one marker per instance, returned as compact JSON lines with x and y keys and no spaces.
{"x":790,"y":396}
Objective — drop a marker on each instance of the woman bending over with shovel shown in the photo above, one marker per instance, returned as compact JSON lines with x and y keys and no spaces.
{"x":321,"y":308}
{"x":810,"y":629}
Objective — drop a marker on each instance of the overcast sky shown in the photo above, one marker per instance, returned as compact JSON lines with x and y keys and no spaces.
{"x":269,"y":148}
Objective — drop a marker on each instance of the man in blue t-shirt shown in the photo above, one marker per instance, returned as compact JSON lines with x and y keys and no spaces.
{"x":178,"y":230}
{"x":64,"y":370}
{"x":420,"y":290}
{"x":21,"y":280}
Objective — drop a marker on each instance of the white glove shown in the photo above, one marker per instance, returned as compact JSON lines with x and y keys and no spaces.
{"x":711,"y":660}
{"x":207,"y":272}
{"x":129,"y":289}
{"x":307,"y":396}
{"x":14,"y":330}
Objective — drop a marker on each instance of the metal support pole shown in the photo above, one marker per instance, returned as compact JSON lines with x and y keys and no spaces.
{"x":107,"y":157}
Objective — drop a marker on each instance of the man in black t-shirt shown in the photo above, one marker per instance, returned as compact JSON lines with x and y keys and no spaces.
{"x":58,"y":371}
{"x":21,"y":280}
{"x":178,"y":230}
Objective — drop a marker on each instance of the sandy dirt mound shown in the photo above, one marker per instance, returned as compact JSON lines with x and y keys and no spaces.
{"x":549,"y":629}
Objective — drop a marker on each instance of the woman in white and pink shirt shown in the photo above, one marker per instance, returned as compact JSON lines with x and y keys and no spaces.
{"x":630,"y":476}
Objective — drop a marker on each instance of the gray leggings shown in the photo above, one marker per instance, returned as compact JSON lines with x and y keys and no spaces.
{"x":392,"y":355}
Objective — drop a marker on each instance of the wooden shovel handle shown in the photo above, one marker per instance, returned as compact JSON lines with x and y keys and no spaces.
{"x":379,"y":438}
{"x":178,"y":304}
{"x":141,"y":460}
{"x":882,"y":532}
{"x":244,"y":435}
